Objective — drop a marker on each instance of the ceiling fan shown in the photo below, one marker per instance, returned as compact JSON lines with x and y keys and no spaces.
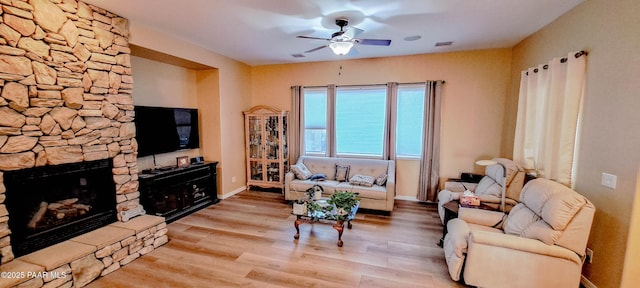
{"x":342,"y":41}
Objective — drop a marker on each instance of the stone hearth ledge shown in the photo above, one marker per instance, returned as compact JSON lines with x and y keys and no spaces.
{"x":90,"y":255}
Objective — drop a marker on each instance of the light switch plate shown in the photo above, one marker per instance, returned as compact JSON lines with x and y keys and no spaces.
{"x":609,"y":180}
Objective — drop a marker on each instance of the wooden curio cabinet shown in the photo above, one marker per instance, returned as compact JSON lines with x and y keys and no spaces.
{"x":266,"y":146}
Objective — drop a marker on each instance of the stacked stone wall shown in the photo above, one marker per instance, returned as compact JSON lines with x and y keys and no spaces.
{"x":65,"y":94}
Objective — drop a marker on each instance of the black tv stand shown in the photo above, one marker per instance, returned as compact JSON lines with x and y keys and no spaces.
{"x":180,"y":191}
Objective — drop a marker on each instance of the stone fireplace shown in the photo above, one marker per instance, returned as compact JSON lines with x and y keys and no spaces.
{"x":65,"y":99}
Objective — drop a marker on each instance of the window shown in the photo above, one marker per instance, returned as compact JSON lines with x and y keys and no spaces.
{"x":315,"y":121}
{"x":409,"y":120}
{"x":351,"y":121}
{"x":360,"y":120}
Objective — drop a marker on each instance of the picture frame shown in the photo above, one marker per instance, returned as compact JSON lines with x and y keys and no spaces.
{"x":182,"y":161}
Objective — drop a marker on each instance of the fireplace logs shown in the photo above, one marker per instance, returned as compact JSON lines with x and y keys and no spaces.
{"x":63,"y":210}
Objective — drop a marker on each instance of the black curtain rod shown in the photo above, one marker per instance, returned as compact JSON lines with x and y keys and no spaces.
{"x":358,"y":85}
{"x":562,"y":60}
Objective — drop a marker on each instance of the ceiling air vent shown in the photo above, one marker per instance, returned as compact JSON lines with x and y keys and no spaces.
{"x":298,"y":55}
{"x":447,"y":43}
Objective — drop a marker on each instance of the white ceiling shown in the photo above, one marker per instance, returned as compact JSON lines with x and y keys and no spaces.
{"x":260,"y":32}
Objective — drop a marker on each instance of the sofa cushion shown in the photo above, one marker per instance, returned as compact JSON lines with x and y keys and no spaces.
{"x":382,"y":179}
{"x":545,"y":211}
{"x":373,"y":192}
{"x":519,"y":219}
{"x":366,"y":167}
{"x":342,"y":172}
{"x":361,"y":180}
{"x":318,"y":177}
{"x":488,"y":186}
{"x":554,"y":202}
{"x":301,"y":171}
{"x":328,"y":186}
{"x":542,"y":231}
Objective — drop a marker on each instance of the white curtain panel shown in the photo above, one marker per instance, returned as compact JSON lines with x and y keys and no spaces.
{"x":549,"y":107}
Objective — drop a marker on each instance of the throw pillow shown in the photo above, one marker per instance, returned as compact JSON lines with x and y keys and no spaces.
{"x":381,"y":179}
{"x":318,"y":177}
{"x":361,"y":180}
{"x":342,"y":172}
{"x":301,"y":171}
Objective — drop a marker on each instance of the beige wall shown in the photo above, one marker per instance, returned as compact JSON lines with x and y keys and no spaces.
{"x":163,"y":85}
{"x":407,"y":172}
{"x":609,"y":139}
{"x":473,"y":96}
{"x":223,"y":92}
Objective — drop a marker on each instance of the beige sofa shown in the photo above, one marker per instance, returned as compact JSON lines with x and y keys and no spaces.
{"x":540,"y":243}
{"x":375,"y":197}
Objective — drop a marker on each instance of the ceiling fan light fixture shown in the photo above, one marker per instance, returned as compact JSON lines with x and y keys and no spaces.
{"x":341,"y":48}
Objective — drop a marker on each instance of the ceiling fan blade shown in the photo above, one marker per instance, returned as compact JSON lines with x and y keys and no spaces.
{"x":378,"y":42}
{"x":352,"y":32}
{"x":316,"y":49}
{"x":316,"y":38}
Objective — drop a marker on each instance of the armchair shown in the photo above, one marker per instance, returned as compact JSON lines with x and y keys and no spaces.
{"x":505,"y":178}
{"x":540,"y":243}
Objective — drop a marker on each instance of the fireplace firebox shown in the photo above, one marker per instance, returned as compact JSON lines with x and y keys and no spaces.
{"x":51,"y":204}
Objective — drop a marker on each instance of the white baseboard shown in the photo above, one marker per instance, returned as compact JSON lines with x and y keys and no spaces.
{"x":586,"y":283}
{"x":234,"y":192}
{"x":407,"y":198}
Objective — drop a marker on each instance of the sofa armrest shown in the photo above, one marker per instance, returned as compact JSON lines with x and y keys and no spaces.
{"x":481,"y":217}
{"x":522,"y":244}
{"x":287,"y":183}
{"x":391,"y":179}
{"x":455,"y":186}
{"x":390,"y":186}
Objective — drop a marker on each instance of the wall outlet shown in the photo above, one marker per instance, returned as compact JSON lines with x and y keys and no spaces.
{"x":233,"y":179}
{"x":589,"y":255}
{"x":609,"y":180}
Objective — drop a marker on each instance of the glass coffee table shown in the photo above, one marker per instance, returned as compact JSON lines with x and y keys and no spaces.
{"x":325,"y":213}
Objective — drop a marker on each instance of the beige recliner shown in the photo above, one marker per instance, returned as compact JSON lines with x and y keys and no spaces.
{"x":540,"y":243}
{"x":489,"y":190}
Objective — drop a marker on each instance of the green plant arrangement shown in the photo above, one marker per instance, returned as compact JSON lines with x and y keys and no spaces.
{"x":344,"y":201}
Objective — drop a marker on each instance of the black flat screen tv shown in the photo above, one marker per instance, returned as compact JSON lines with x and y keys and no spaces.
{"x":161,"y":130}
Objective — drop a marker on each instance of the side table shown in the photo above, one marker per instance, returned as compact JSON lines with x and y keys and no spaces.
{"x":451,"y":209}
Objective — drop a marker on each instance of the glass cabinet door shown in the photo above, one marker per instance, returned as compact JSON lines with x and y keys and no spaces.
{"x":273,"y":172}
{"x":272,"y":142}
{"x":255,"y":137}
{"x":285,"y":148}
{"x":256,"y":170}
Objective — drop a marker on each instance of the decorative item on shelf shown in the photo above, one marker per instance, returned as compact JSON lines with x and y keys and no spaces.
{"x":197,"y":160}
{"x":182,"y":161}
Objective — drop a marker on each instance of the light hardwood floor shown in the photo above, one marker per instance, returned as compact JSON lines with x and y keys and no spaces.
{"x":247,"y":240}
